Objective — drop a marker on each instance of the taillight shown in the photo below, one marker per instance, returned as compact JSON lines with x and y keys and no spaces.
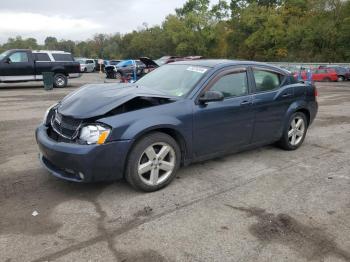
{"x":316,"y":92}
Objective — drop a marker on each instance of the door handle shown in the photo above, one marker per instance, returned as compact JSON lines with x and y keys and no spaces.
{"x":286,"y":95}
{"x":244,"y":103}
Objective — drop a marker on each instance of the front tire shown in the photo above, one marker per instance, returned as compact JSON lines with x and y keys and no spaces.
{"x":294,"y":134}
{"x":153,"y":162}
{"x":60,"y":80}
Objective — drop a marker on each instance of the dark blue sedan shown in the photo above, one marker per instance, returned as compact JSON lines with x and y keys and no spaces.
{"x":178,"y":114}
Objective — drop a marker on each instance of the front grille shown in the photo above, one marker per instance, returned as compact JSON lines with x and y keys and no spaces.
{"x":65,"y":126}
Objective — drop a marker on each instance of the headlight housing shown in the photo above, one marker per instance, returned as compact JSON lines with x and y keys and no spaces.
{"x":94,"y":134}
{"x":48,"y":114}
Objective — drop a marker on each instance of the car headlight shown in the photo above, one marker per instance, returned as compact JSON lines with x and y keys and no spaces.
{"x":94,"y":134}
{"x":48,"y":114}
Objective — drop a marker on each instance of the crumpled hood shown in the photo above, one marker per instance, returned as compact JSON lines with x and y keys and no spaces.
{"x":95,"y":100}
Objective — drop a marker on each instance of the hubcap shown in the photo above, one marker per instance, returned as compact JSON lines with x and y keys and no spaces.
{"x":59,"y":81}
{"x":156,"y":164}
{"x":296,"y":131}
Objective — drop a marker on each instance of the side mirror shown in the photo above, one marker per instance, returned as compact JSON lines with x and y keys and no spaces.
{"x":211,"y":96}
{"x":7,"y":60}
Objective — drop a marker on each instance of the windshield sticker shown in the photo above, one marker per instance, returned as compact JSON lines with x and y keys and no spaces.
{"x":197,"y":69}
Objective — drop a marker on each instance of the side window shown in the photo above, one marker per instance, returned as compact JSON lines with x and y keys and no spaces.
{"x":265,"y":80}
{"x":90,"y":61}
{"x":42,"y":57}
{"x":234,"y":84}
{"x":62,"y":57}
{"x":19,"y":57}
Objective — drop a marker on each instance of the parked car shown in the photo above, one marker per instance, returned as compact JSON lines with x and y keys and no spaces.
{"x":342,"y":73}
{"x":126,"y":68}
{"x":178,"y":114}
{"x":324,"y":75}
{"x":114,"y":62}
{"x":86,"y":65}
{"x":22,"y":65}
{"x":170,"y":59}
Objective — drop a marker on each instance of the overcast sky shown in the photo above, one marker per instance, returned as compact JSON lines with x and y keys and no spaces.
{"x":78,"y":19}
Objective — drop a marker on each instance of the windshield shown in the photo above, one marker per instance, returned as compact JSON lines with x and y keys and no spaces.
{"x":3,"y":55}
{"x":174,"y":80}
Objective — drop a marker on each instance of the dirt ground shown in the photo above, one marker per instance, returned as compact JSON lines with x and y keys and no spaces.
{"x":260,"y":205}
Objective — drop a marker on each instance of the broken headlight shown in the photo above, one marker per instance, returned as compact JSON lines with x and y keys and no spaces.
{"x":94,"y":134}
{"x":48,"y":114}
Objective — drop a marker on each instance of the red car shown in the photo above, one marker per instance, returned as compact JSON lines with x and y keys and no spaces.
{"x":321,"y":74}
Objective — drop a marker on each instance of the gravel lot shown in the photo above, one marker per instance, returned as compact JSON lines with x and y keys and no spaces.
{"x":259,"y":205}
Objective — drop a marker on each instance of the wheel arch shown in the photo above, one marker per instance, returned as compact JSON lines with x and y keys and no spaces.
{"x":297,"y":106}
{"x":170,"y":131}
{"x":306,"y":112}
{"x":59,"y":70}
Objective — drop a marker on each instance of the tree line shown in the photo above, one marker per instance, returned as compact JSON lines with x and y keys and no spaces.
{"x":262,"y":30}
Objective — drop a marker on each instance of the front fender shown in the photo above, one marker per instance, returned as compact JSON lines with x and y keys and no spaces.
{"x":141,"y":127}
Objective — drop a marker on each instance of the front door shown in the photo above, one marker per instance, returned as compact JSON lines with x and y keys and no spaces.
{"x":225,"y":125}
{"x":17,"y":66}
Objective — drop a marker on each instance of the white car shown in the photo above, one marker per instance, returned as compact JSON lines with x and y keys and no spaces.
{"x":86,"y":65}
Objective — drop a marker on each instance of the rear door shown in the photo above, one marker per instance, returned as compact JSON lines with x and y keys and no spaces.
{"x":225,"y":125}
{"x":271,"y":100}
{"x":42,"y":64}
{"x":18,"y":66}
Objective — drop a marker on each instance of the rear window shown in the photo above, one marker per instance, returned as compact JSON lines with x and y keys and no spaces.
{"x":42,"y":57}
{"x":63,"y":57}
{"x":266,"y":80}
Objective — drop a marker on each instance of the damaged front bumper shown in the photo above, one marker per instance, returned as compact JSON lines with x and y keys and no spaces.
{"x":82,"y":163}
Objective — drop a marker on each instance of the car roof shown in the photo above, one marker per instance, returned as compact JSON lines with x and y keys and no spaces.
{"x":51,"y":51}
{"x":218,"y":63}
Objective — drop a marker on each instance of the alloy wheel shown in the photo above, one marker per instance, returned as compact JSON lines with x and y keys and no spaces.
{"x":296,"y":131}
{"x":156,"y":163}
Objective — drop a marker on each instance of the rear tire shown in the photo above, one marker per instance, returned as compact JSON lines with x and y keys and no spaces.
{"x":295,"y":132}
{"x":153,"y":162}
{"x":341,"y":78}
{"x":60,"y":80}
